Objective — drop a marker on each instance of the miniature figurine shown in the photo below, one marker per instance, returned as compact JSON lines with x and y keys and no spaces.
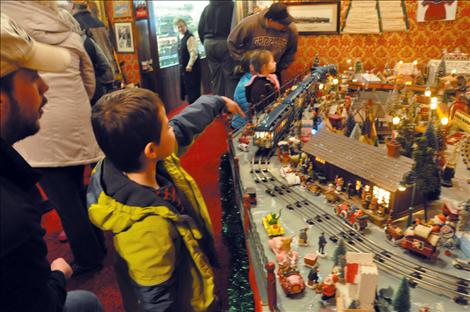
{"x":350,"y":190}
{"x":322,"y":243}
{"x":313,"y":277}
{"x":303,"y":237}
{"x":328,"y":287}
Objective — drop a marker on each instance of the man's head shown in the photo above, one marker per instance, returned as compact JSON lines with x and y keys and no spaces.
{"x":131,"y":127}
{"x":277,"y":16}
{"x":22,"y":89}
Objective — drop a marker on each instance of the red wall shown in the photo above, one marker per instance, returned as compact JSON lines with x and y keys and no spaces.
{"x":131,"y":66}
{"x":423,"y":41}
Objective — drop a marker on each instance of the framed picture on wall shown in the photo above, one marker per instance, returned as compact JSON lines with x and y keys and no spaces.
{"x":316,"y":17}
{"x":124,"y":37}
{"x":122,"y":9}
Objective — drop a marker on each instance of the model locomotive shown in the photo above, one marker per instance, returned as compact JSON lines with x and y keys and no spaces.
{"x":277,"y":122}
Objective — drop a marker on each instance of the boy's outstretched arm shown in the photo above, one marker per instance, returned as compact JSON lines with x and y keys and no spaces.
{"x":195,"y":118}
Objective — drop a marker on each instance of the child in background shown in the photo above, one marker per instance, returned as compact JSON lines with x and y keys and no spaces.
{"x":162,"y":229}
{"x":259,"y":87}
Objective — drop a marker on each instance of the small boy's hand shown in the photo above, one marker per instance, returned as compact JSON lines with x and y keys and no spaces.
{"x":61,"y":265}
{"x":232,"y":107}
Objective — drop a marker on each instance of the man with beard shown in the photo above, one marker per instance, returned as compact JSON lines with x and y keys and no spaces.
{"x":28,"y":282}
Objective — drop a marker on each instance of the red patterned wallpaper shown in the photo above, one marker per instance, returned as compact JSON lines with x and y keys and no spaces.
{"x":423,"y":41}
{"x":131,"y":60}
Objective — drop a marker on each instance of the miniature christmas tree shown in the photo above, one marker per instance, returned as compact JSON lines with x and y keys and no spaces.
{"x":430,"y":134}
{"x":340,"y":251}
{"x":426,"y":173}
{"x":358,"y":68}
{"x":406,"y":137}
{"x":441,"y":70}
{"x":401,"y":302}
{"x":350,"y":123}
{"x":441,"y":139}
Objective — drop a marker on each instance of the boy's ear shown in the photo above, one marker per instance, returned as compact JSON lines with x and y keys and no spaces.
{"x":150,"y":151}
{"x":252,"y":68}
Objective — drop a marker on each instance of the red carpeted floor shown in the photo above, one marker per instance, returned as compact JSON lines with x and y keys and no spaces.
{"x":202,"y":162}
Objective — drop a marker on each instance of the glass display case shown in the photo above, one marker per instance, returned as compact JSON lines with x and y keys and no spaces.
{"x":166,"y":13}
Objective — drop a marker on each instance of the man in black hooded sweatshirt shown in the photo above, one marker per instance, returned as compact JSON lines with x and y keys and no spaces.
{"x":213,"y":29}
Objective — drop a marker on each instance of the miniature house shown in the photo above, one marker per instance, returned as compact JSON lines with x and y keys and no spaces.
{"x":359,"y":163}
{"x":361,"y":278}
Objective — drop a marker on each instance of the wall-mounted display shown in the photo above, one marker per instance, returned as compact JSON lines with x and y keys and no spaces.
{"x":122,"y":9}
{"x":436,"y":10}
{"x":124,"y":37}
{"x":316,"y":18}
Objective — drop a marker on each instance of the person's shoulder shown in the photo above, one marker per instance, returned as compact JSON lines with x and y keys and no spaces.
{"x":19,"y":218}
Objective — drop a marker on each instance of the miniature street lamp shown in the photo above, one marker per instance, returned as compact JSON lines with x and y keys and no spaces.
{"x":427,"y":92}
{"x":444,"y":121}
{"x":395,"y":122}
{"x":433,"y":105}
{"x":407,"y":181}
{"x":335,"y":81}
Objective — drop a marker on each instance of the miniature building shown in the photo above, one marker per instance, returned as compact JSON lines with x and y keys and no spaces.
{"x":361,"y":278}
{"x":363,"y":164}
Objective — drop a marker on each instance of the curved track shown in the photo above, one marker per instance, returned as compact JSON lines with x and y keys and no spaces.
{"x":426,"y":277}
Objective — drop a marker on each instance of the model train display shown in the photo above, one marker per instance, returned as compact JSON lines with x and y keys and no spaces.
{"x":276,"y":123}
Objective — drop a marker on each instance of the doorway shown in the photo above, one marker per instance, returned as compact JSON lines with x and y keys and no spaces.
{"x":164,"y":40}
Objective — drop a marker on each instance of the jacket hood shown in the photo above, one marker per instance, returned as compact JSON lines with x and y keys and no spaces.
{"x":44,"y":23}
{"x":116,"y":203}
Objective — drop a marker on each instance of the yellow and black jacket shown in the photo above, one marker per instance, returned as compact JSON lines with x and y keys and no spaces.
{"x":169,"y":255}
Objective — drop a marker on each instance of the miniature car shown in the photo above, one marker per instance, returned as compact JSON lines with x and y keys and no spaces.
{"x":291,"y":282}
{"x":243,"y":147}
{"x":244,"y":140}
{"x":461,"y":264}
{"x":272,"y":225}
{"x":352,"y":215}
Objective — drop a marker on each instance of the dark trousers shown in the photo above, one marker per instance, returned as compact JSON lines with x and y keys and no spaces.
{"x":221,"y":67}
{"x":191,"y":82}
{"x":65,"y":189}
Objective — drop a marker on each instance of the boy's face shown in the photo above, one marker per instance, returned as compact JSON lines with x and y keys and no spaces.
{"x":167,"y":136}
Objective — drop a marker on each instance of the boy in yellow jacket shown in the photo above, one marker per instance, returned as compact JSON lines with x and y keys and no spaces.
{"x":162,"y":229}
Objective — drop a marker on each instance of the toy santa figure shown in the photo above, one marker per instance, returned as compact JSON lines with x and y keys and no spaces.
{"x":328,"y":287}
{"x":437,"y":222}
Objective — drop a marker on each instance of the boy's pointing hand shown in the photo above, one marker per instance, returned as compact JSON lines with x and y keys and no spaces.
{"x":232,"y":107}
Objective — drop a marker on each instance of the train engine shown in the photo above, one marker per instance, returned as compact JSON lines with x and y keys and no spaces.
{"x":354,"y":216}
{"x":275,"y":124}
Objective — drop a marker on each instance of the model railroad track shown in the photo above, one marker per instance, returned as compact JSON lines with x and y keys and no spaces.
{"x":425,"y":277}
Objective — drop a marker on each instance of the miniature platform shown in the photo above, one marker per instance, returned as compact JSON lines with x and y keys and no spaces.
{"x":295,"y":219}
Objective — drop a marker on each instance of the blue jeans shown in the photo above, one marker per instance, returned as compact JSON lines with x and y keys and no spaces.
{"x":82,"y":301}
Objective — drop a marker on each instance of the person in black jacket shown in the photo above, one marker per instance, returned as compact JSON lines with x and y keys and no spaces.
{"x":28,"y":282}
{"x":213,"y":29}
{"x":190,"y":67}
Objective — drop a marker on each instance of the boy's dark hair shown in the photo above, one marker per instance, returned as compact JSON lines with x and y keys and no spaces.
{"x":259,"y":58}
{"x":124,"y":122}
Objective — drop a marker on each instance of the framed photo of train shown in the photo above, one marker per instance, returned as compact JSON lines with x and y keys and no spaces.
{"x":316,"y":17}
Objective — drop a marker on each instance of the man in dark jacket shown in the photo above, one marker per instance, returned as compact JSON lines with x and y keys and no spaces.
{"x":213,"y":29}
{"x":95,"y":29}
{"x":272,"y":29}
{"x":28,"y":282}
